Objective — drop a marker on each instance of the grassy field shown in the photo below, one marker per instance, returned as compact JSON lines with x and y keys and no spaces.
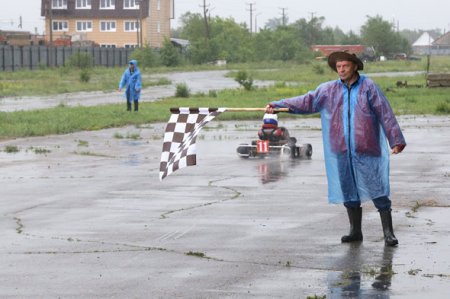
{"x":414,"y":99}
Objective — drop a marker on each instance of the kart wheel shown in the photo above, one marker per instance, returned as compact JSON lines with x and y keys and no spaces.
{"x":244,"y":151}
{"x":306,"y":150}
{"x":286,"y":151}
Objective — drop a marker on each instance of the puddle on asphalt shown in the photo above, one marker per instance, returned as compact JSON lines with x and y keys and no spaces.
{"x":271,"y":170}
{"x":359,"y":280}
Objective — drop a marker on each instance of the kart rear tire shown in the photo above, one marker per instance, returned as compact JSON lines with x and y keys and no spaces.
{"x":307,"y":150}
{"x":286,"y":151}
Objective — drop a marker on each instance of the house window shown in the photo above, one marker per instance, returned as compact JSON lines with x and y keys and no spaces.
{"x":107,"y":4}
{"x":107,"y":46}
{"x":83,"y":4}
{"x":158,"y":4}
{"x":128,"y":46}
{"x":131,"y":4}
{"x":59,"y":4}
{"x":60,"y":26}
{"x":108,"y":26}
{"x":131,"y":26}
{"x":158,"y":27}
{"x":84,"y":26}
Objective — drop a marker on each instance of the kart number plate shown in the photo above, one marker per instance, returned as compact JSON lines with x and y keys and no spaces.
{"x":262,"y":146}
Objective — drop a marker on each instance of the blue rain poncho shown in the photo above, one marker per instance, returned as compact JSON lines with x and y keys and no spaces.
{"x":357,"y":123}
{"x":132,"y":82}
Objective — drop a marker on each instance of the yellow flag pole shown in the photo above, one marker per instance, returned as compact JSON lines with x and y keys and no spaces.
{"x":196,"y":109}
{"x":256,"y":109}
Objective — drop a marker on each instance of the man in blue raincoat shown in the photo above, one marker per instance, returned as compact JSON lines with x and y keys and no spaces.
{"x":131,"y":81}
{"x":357,"y":125}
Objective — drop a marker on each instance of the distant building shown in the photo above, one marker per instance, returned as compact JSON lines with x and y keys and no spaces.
{"x":423,"y":44}
{"x":108,"y":23}
{"x":19,"y":38}
{"x":441,"y":46}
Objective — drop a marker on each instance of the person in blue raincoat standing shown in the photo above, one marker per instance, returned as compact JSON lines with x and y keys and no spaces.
{"x":358,"y":124}
{"x":131,"y":81}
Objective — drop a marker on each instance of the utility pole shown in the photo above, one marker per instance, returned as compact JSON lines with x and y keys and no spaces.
{"x":139,"y":38}
{"x":49,"y":10}
{"x":20,"y":22}
{"x":140,"y":22}
{"x":251,"y":16}
{"x":205,"y":17}
{"x":283,"y":15}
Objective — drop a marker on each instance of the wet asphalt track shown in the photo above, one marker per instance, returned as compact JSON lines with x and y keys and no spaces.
{"x":90,"y":219}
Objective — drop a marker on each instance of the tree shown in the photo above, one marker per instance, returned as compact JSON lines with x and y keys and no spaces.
{"x":227,"y":39}
{"x":233,"y":41}
{"x":280,"y":44}
{"x":312,"y":33}
{"x":193,"y":29}
{"x":380,"y":34}
{"x":350,"y":38}
{"x":274,"y":23}
{"x":170,"y":56}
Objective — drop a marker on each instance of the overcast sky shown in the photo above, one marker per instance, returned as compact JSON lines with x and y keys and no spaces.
{"x":347,"y":15}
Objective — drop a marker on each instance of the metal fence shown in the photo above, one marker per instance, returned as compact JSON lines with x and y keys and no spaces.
{"x":13,"y":58}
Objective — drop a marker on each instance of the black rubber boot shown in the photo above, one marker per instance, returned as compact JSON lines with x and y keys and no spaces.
{"x":128,"y":106}
{"x":388,"y":231}
{"x":136,"y":106}
{"x":355,"y":218}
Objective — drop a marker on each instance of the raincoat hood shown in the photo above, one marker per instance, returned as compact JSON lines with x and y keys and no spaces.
{"x":133,"y":62}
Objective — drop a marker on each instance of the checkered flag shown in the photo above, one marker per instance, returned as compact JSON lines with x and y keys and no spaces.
{"x":179,"y":149}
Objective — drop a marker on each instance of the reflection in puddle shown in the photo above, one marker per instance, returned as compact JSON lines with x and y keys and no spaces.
{"x":358,"y":280}
{"x":133,"y":159}
{"x":272,"y":170}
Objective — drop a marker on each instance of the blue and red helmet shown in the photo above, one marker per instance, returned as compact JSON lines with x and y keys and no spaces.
{"x":270,"y":119}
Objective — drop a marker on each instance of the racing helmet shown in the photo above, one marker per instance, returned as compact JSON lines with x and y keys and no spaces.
{"x":270,"y":119}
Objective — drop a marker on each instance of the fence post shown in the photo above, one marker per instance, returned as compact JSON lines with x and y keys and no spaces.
{"x":2,"y":58}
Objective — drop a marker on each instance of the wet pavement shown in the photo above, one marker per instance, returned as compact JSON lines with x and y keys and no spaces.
{"x":84,"y":215}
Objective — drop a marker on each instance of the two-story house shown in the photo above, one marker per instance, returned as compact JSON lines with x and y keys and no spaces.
{"x":109,"y":23}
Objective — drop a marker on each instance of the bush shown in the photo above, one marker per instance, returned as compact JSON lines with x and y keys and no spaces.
{"x":182,"y":91}
{"x":11,"y":149}
{"x":85,"y":76}
{"x":212,"y":93}
{"x":443,"y":108}
{"x":146,"y":57}
{"x":80,"y":60}
{"x":318,"y":69}
{"x":244,"y":80}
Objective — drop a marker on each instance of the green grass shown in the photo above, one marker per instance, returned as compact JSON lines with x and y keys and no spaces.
{"x":64,"y":80}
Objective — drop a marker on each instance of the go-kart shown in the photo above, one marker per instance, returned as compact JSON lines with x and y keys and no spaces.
{"x":274,"y":142}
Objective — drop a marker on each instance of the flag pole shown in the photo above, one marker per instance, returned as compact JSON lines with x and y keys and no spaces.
{"x":196,"y":109}
{"x":256,"y":109}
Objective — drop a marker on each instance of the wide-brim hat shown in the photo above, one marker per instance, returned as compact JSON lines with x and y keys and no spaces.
{"x":344,"y":56}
